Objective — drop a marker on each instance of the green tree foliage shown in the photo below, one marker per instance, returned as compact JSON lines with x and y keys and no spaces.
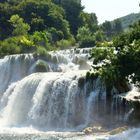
{"x":20,"y":28}
{"x":36,"y":43}
{"x":117,"y":26}
{"x":41,"y":39}
{"x":44,"y":14}
{"x":39,"y":26}
{"x":6,"y":12}
{"x":10,"y":46}
{"x":118,"y":64}
{"x":99,"y":36}
{"x":111,"y":28}
{"x":56,"y":35}
{"x":120,"y":41}
{"x":89,"y":34}
{"x":89,"y":20}
{"x":40,"y":15}
{"x":85,"y":37}
{"x":72,"y":10}
{"x":107,"y":29}
{"x":46,"y":24}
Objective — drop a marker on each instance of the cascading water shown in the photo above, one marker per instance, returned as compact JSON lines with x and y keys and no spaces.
{"x":50,"y":93}
{"x":16,"y":67}
{"x":52,"y":99}
{"x":13,"y":68}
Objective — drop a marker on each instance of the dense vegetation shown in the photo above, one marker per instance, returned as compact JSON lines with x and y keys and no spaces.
{"x":28,"y":26}
{"x":32,"y":26}
{"x":111,"y":28}
{"x":118,"y":62}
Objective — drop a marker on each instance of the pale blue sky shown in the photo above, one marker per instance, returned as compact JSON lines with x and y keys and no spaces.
{"x":111,"y":9}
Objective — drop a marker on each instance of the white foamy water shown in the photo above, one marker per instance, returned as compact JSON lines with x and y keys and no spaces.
{"x":16,"y":67}
{"x":31,"y":134}
{"x":49,"y":98}
{"x":132,"y":134}
{"x":50,"y":101}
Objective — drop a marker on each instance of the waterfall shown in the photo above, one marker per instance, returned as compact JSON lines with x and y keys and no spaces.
{"x":53,"y":93}
{"x":15,"y":67}
{"x":50,"y":100}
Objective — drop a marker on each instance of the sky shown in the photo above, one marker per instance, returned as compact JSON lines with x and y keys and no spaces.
{"x":111,"y":9}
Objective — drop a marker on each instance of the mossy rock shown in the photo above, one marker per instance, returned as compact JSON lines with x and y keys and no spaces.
{"x":81,"y":82}
{"x":91,"y":75}
{"x":41,"y":66}
{"x":118,"y":130}
{"x":88,"y":130}
{"x":94,"y":129}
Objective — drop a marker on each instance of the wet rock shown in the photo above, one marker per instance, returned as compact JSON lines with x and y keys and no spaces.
{"x":136,"y":97}
{"x":88,"y":130}
{"x":94,"y":129}
{"x":118,"y":130}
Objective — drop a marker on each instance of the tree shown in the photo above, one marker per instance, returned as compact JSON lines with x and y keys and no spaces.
{"x":89,"y":20}
{"x":5,"y":13}
{"x":72,"y":9}
{"x":117,"y":26}
{"x":44,"y":14}
{"x":20,"y":27}
{"x":121,"y":62}
{"x":85,"y":37}
{"x":107,"y":28}
{"x":99,"y":36}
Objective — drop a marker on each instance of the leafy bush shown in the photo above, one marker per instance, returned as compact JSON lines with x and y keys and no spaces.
{"x":10,"y":46}
{"x":64,"y":44}
{"x":41,"y":66}
{"x":121,"y":63}
{"x":104,"y":44}
{"x":102,"y":53}
{"x":41,"y":51}
{"x":35,"y":43}
{"x":20,"y":28}
{"x":26,"y":44}
{"x":88,"y":41}
{"x":55,"y":35}
{"x":85,"y":37}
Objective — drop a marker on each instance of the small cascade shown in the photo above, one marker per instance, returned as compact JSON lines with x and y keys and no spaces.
{"x":15,"y":110}
{"x":16,"y":67}
{"x":125,"y":106}
{"x":13,"y":68}
{"x":96,"y":103}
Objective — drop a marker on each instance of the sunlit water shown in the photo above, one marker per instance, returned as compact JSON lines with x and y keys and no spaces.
{"x":30,"y":134}
{"x":50,"y":99}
